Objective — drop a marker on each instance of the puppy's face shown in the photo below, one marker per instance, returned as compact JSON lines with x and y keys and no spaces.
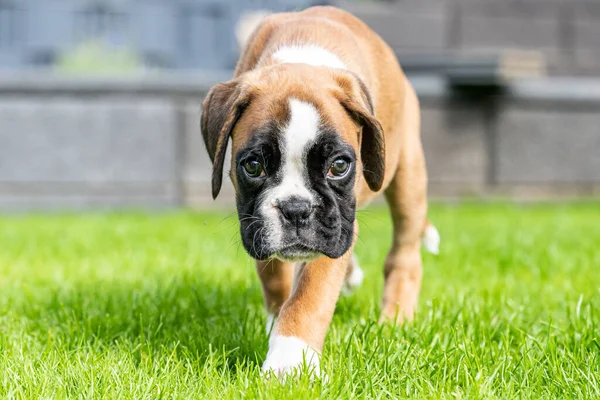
{"x":295,"y":187}
{"x":296,"y":161}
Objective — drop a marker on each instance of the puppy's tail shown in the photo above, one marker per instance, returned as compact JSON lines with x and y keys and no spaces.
{"x":247,"y":25}
{"x":431,"y":238}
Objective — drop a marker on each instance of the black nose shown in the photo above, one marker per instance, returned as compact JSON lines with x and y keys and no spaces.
{"x":296,"y":210}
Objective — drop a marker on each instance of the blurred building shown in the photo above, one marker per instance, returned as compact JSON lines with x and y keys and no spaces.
{"x":199,"y":34}
{"x":180,"y":34}
{"x":565,"y":32}
{"x":100,"y":99}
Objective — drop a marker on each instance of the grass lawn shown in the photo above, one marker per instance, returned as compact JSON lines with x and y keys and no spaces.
{"x":169,"y":306}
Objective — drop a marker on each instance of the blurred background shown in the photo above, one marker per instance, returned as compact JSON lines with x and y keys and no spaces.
{"x":100,"y":99}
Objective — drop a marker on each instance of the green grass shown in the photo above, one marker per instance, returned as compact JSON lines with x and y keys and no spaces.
{"x":168,"y":306}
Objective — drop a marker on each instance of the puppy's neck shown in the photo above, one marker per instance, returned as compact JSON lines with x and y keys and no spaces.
{"x":310,"y":54}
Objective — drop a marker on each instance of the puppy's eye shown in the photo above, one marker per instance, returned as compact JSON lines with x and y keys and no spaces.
{"x":254,"y":168}
{"x":338,"y":169}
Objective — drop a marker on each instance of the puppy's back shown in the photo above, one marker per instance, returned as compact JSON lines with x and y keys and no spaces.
{"x":328,"y":27}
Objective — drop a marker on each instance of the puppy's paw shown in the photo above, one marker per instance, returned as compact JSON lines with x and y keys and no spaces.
{"x":354,"y":279}
{"x":431,"y":239}
{"x":288,"y":355}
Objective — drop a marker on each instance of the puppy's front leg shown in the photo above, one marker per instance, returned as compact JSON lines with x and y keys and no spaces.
{"x":304,"y":319}
{"x":276,"y":278}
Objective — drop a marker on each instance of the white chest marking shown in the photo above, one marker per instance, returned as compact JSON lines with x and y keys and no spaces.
{"x":308,"y":54}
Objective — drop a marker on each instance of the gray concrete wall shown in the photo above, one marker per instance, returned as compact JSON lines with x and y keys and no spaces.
{"x":36,"y":32}
{"x":566,"y":32}
{"x":182,"y":34}
{"x":80,"y":144}
{"x":73,"y":152}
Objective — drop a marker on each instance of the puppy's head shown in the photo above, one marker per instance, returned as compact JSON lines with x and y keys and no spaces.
{"x":303,"y":139}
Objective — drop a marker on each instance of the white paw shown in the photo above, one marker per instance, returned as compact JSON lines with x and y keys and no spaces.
{"x":431,"y":239}
{"x":287,"y":355}
{"x":355,"y":279}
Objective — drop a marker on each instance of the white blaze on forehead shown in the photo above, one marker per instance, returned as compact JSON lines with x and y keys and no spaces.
{"x":308,"y":54}
{"x":297,"y":137}
{"x":300,"y":132}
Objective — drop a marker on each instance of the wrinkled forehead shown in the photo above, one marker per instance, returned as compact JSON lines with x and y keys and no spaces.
{"x":294,"y":121}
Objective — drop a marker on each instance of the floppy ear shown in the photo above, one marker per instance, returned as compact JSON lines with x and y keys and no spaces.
{"x":357,"y":102}
{"x":222,"y":108}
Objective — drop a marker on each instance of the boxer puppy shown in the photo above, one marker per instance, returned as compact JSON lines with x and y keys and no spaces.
{"x":321,"y":120}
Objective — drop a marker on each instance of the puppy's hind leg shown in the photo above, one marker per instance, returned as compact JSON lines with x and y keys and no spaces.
{"x":407,"y":198}
{"x":354,"y":276}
